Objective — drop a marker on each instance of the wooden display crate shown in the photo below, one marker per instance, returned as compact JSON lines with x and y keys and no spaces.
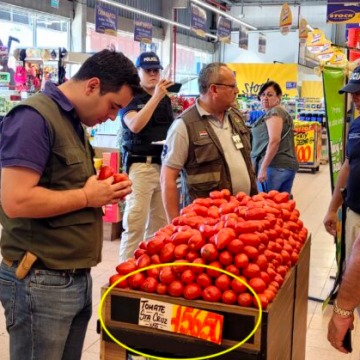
{"x":281,"y":335}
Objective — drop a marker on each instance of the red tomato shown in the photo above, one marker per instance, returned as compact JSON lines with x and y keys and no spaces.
{"x":139,"y":252}
{"x":229,"y":297}
{"x":214,"y":273}
{"x":188,"y":277}
{"x":235,"y":246}
{"x":180,"y":251}
{"x":245,"y":300}
{"x":209,"y":252}
{"x":198,"y":269}
{"x":231,"y":223}
{"x":120,"y":177}
{"x":105,"y":172}
{"x":155,"y":245}
{"x":281,"y":198}
{"x":207,"y":231}
{"x":251,"y":252}
{"x":226,"y":193}
{"x":196,"y":242}
{"x":203,"y":202}
{"x":223,"y":282}
{"x":176,"y":288}
{"x":153,"y":273}
{"x":250,"y":239}
{"x":255,"y":214}
{"x":251,"y":271}
{"x":271,"y":272}
{"x":224,"y":237}
{"x":203,"y":280}
{"x":167,"y":275}
{"x":263,"y":300}
{"x":216,"y":195}
{"x":149,"y":285}
{"x":282,"y":270}
{"x":265,"y":277}
{"x":181,"y":237}
{"x":225,"y":258}
{"x":279,"y":279}
{"x":136,"y":280}
{"x":143,"y":261}
{"x":155,"y":259}
{"x":257,"y":284}
{"x":192,"y":255}
{"x":270,"y":295}
{"x":211,"y":293}
{"x":241,"y":260}
{"x":192,"y":292}
{"x":199,"y":209}
{"x":167,"y":253}
{"x":294,"y":258}
{"x":262,"y":262}
{"x":240,"y":196}
{"x":245,"y":227}
{"x":162,"y":289}
{"x":213,"y":212}
{"x":238,"y":286}
{"x":179,"y":269}
{"x":227,"y":208}
{"x":126,"y":268}
{"x":233,"y":270}
{"x":121,"y":284}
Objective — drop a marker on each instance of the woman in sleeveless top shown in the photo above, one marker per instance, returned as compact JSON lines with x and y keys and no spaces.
{"x":273,"y":150}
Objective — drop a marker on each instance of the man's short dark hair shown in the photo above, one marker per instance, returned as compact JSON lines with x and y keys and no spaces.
{"x":209,"y":75}
{"x":268,"y":84}
{"x":113,"y":69}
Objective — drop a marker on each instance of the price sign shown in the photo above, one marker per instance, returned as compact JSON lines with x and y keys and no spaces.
{"x":184,"y":320}
{"x":304,"y":144}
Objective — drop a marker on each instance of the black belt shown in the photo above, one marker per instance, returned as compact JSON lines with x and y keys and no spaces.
{"x":145,"y":159}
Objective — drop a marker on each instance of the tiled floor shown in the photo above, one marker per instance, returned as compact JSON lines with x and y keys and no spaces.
{"x":312,"y":193}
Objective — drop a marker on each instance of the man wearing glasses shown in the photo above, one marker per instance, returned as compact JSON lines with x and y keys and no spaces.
{"x":145,"y":121}
{"x":209,"y":144}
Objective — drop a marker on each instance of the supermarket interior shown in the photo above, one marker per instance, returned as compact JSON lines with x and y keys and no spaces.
{"x":178,"y":179}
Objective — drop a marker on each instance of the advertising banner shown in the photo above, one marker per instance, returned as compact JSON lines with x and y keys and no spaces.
{"x":250,"y":77}
{"x":105,"y":20}
{"x":343,"y":12}
{"x":224,"y":29}
{"x":198,"y":20}
{"x":333,"y":80}
{"x":142,"y":30}
{"x":285,"y":19}
{"x":243,"y":38}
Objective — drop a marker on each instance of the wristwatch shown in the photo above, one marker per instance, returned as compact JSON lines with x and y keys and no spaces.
{"x":342,"y":312}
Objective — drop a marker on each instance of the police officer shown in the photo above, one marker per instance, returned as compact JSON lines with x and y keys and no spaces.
{"x":145,"y":121}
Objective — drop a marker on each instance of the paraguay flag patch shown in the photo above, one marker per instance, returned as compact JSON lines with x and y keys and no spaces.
{"x":203,"y":133}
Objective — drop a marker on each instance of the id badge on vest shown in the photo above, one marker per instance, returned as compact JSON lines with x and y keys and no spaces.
{"x":237,"y":141}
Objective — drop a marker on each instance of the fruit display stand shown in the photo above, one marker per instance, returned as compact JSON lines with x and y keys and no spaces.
{"x":281,"y":334}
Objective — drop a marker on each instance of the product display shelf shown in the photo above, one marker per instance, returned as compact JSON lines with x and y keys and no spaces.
{"x":281,"y":335}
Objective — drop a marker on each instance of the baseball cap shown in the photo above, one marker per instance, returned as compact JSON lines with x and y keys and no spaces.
{"x":353,"y":85}
{"x":148,"y":60}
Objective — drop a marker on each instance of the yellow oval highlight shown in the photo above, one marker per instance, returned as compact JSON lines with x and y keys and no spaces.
{"x":178,"y":264}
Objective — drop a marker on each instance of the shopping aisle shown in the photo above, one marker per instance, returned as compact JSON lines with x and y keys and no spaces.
{"x":312,"y":193}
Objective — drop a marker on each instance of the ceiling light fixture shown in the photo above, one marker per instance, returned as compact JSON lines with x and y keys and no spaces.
{"x":223,"y":13}
{"x":152,"y":16}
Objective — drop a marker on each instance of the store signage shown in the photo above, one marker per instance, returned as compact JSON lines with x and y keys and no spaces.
{"x":333,"y":80}
{"x":262,"y":43}
{"x":243,"y":38}
{"x":198,"y":20}
{"x":250,"y":77}
{"x":343,"y":12}
{"x":339,"y":58}
{"x":326,"y":55}
{"x":143,"y":30}
{"x":224,"y":29}
{"x":303,"y":31}
{"x":105,"y":20}
{"x":285,"y":19}
{"x":183,"y":320}
{"x":54,"y":4}
{"x":304,"y":139}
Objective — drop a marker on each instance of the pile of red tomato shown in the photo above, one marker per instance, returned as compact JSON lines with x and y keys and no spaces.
{"x":256,"y":238}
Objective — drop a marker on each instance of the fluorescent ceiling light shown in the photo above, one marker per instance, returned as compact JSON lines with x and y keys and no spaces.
{"x":223,"y":13}
{"x":152,"y":16}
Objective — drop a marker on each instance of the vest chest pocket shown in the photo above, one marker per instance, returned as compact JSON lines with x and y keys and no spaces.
{"x":69,"y":168}
{"x":205,"y":151}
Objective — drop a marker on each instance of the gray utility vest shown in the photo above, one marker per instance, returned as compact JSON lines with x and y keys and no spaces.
{"x":68,"y":241}
{"x":206,"y":169}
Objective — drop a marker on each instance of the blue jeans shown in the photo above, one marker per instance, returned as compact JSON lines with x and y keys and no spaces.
{"x":46,"y":313}
{"x":278,"y":179}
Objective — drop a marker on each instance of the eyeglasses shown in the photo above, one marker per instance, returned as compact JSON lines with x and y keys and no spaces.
{"x":232,"y":86}
{"x":268,"y":95}
{"x":154,"y":71}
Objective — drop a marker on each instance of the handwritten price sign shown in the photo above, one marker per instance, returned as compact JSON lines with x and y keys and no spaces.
{"x":184,"y":320}
{"x":304,"y":144}
{"x":197,"y":323}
